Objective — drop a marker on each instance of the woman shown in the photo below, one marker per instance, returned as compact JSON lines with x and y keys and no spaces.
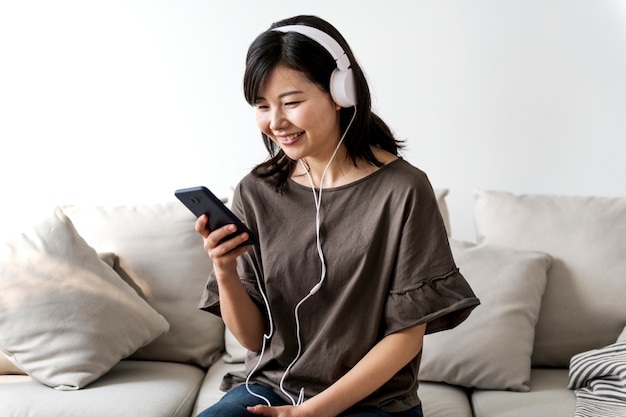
{"x":353,"y":265}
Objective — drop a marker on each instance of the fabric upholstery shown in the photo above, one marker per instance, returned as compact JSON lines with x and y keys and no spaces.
{"x":492,"y":349}
{"x":622,"y":336}
{"x":598,"y":378}
{"x":583,"y":307}
{"x":209,"y":392}
{"x":161,"y":256}
{"x":129,"y":389}
{"x":548,"y":396}
{"x":66,"y":317}
{"x":440,"y":195}
{"x":443,"y":400}
{"x":7,"y":367}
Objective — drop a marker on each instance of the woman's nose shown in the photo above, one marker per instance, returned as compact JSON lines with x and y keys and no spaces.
{"x":277,"y":120}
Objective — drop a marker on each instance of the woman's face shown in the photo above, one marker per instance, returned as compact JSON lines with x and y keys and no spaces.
{"x":298,"y":116}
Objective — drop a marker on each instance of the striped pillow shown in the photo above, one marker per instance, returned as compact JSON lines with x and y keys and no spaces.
{"x":599,"y":378}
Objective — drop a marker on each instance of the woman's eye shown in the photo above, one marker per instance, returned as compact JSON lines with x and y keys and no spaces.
{"x":292,"y":103}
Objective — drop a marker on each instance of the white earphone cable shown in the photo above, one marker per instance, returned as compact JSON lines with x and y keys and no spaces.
{"x":316,"y":287}
{"x":266,"y":337}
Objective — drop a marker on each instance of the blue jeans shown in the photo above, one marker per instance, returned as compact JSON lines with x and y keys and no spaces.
{"x":235,"y":401}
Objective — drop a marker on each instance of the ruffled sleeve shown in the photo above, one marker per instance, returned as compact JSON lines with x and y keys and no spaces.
{"x":427,"y":286}
{"x":443,"y":302}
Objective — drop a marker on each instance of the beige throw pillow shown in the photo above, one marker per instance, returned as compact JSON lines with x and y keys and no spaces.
{"x":584,"y":307}
{"x":161,"y":256}
{"x":440,"y":195}
{"x":66,"y":317}
{"x":622,"y":336}
{"x":492,"y":349}
{"x":7,"y":367}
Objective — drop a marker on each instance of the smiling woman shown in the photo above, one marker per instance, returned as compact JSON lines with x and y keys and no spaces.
{"x":334,"y":300}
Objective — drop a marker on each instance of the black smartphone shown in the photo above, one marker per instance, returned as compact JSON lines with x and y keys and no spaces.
{"x":200,"y":200}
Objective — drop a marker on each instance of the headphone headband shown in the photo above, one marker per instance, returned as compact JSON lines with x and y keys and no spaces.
{"x":324,"y":39}
{"x":342,"y":88}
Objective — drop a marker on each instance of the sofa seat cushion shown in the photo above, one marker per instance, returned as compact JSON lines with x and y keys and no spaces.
{"x":443,"y":400}
{"x":131,"y":388}
{"x":210,"y":392}
{"x":548,"y":396}
{"x":438,"y":400}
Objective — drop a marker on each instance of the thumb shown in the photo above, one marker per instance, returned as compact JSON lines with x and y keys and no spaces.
{"x":261,"y":410}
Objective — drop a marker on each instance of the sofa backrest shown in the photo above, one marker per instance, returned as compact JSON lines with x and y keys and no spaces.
{"x":584,"y":304}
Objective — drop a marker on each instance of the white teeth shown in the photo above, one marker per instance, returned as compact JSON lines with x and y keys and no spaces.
{"x":291,"y":137}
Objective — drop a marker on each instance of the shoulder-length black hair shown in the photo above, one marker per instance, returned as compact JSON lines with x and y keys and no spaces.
{"x":296,"y":51}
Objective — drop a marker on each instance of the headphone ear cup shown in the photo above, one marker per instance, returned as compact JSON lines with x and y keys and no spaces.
{"x":342,"y":88}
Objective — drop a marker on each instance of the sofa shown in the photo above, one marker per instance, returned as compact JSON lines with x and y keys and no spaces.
{"x":99,"y":317}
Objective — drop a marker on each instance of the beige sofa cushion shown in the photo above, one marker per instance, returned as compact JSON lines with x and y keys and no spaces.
{"x":209,"y":392}
{"x":7,"y":367}
{"x":66,"y":317}
{"x":161,"y":256}
{"x":129,"y":389}
{"x":622,"y":336}
{"x":443,"y":400}
{"x":583,"y":307}
{"x":440,"y":195}
{"x":548,"y":397}
{"x":493,"y":347}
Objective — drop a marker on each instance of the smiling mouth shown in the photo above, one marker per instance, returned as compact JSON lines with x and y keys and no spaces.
{"x":289,"y":139}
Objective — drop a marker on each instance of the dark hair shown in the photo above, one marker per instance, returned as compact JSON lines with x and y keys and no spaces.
{"x":298,"y":52}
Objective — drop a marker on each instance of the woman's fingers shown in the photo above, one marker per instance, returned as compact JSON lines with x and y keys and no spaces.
{"x":221,"y":251}
{"x":201,"y":227}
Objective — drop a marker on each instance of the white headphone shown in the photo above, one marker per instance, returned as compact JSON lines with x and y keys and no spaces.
{"x":342,"y":88}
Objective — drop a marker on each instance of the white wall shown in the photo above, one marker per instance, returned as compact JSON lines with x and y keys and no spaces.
{"x":125,"y":100}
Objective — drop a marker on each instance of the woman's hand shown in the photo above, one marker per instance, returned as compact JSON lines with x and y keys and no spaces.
{"x":283,"y":411}
{"x":223,"y":254}
{"x":378,"y":366}
{"x":240,"y":314}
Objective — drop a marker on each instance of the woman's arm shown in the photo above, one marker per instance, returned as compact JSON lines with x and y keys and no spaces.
{"x":240,"y":314}
{"x":380,"y":364}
